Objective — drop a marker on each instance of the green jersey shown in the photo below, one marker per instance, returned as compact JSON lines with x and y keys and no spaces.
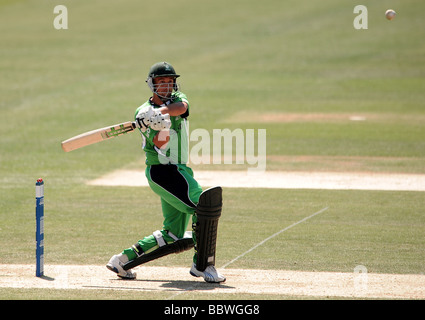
{"x":176,"y":150}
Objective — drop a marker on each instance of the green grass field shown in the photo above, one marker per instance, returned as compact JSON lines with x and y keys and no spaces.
{"x":237,"y":59}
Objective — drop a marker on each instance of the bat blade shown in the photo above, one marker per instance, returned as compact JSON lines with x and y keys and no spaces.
{"x":97,"y":135}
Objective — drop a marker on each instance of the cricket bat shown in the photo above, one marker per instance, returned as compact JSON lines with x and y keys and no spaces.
{"x":97,"y":135}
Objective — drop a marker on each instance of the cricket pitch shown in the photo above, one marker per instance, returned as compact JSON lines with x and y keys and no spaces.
{"x":177,"y":282}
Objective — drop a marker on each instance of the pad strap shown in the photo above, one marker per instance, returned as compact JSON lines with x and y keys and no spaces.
{"x":172,"y":235}
{"x":159,"y":238}
{"x":137,"y":249}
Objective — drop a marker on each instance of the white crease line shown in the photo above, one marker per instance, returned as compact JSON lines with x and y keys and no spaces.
{"x":272,"y":236}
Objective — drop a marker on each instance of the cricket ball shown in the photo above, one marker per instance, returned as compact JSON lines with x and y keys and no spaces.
{"x":390,"y":14}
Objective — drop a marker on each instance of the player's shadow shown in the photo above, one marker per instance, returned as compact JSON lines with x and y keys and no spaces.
{"x":188,"y":285}
{"x":44,"y":277}
{"x":195,"y":285}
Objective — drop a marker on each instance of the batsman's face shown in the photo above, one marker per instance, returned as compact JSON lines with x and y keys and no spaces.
{"x":164,"y":86}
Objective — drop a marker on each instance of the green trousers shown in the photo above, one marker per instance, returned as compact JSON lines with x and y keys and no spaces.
{"x":179,"y":193}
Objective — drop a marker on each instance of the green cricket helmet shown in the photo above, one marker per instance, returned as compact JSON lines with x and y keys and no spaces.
{"x":161,"y":69}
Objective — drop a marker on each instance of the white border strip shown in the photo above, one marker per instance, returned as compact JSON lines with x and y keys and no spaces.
{"x":281,"y":180}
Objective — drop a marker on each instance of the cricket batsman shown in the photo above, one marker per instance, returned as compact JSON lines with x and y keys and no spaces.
{"x":162,"y":122}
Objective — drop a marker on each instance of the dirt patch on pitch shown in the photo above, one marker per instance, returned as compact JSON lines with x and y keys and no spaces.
{"x":281,"y":180}
{"x":177,"y":281}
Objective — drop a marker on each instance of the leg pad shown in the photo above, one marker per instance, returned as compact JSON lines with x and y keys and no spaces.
{"x":208,"y":212}
{"x":179,"y":245}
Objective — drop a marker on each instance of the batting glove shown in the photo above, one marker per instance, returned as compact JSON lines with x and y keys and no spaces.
{"x":143,"y":117}
{"x":160,"y":121}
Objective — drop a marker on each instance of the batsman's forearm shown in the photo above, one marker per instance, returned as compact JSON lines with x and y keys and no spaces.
{"x":161,"y":138}
{"x":174,"y":109}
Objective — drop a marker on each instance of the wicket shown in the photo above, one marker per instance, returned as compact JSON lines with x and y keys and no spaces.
{"x":39,"y":234}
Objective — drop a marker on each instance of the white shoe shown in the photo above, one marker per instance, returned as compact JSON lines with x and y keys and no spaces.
{"x":210,"y":274}
{"x":116,"y":265}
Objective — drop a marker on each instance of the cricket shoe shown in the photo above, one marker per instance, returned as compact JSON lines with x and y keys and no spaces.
{"x":116,"y":265}
{"x":210,"y":274}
